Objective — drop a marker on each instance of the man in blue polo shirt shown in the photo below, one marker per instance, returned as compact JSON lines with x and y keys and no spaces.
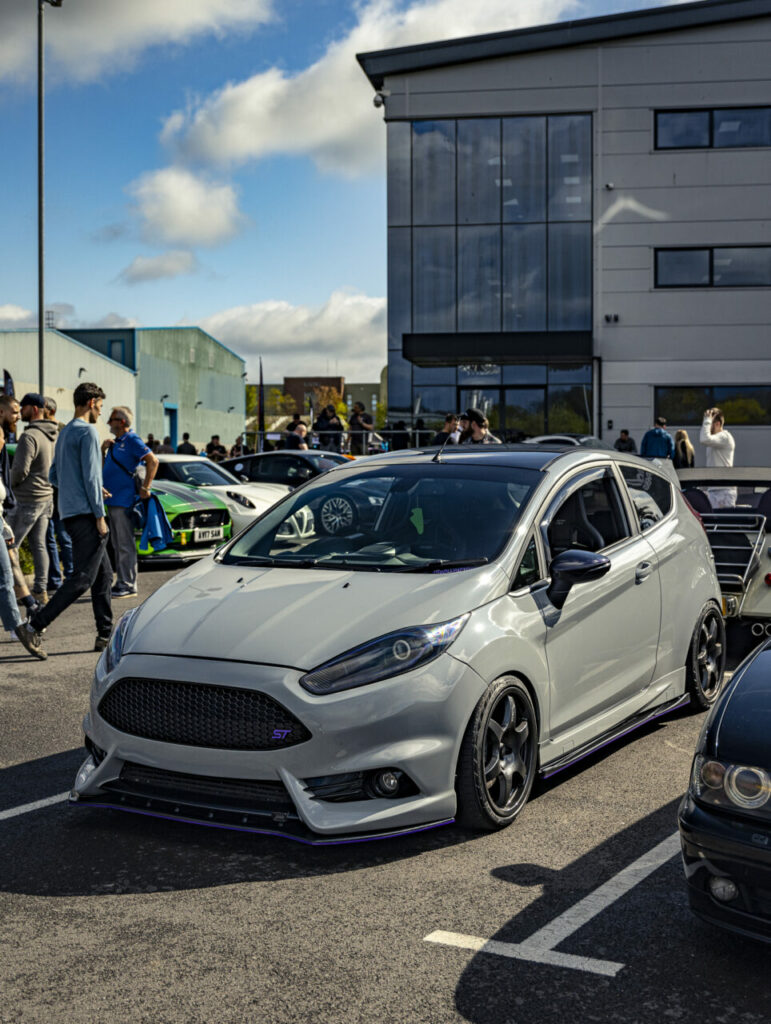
{"x":121,"y":458}
{"x":658,"y":442}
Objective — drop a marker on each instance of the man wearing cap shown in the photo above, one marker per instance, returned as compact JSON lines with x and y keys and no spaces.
{"x":32,"y":489}
{"x":479,"y":428}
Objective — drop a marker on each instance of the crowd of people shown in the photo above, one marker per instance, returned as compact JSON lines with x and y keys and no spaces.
{"x":659,"y":443}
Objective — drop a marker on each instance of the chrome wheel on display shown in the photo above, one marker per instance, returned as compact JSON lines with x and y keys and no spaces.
{"x":497,"y":764}
{"x":337,"y":515}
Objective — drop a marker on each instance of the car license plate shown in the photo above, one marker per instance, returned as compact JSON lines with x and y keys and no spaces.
{"x":209,"y":533}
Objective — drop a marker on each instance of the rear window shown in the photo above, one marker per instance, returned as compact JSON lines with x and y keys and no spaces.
{"x":651,"y":495}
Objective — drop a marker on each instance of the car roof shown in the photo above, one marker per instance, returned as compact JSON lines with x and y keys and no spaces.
{"x":168,"y":457}
{"x":311,"y":453}
{"x":521,"y":456}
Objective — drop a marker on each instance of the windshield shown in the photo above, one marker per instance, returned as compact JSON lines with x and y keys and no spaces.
{"x":198,"y":472}
{"x":397,"y":518}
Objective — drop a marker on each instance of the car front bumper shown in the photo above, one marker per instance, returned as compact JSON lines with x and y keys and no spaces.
{"x":413,"y":723}
{"x":719,"y":845}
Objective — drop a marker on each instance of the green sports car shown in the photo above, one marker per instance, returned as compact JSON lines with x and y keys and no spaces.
{"x":200,"y":522}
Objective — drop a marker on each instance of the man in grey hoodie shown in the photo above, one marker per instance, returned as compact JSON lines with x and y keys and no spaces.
{"x":32,"y":489}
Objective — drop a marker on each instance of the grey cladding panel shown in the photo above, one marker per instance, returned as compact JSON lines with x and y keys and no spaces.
{"x":672,"y":306}
{"x":615,"y":280}
{"x":690,"y":168}
{"x":679,"y":94}
{"x":686,"y":205}
{"x":558,"y":69}
{"x":630,"y":257}
{"x":507,"y":102}
{"x":621,"y":232}
{"x":624,"y":396}
{"x":690,"y":343}
{"x":714,"y":61}
{"x":615,"y":143}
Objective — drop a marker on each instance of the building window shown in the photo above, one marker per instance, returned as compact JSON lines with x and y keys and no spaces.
{"x":724,"y":267}
{"x":719,"y":128}
{"x":743,"y":406}
{"x":117,"y":350}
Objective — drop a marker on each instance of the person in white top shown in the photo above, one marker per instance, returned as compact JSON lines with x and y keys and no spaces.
{"x":720,"y":447}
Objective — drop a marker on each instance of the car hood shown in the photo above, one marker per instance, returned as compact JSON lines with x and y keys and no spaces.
{"x":183,"y":497}
{"x":263,"y":494}
{"x":742,"y":720}
{"x":297,"y":617}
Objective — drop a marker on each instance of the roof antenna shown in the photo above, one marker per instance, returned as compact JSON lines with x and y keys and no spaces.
{"x":446,"y":442}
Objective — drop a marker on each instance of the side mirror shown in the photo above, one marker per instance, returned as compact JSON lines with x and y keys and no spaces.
{"x":244,"y":478}
{"x":573,"y":567}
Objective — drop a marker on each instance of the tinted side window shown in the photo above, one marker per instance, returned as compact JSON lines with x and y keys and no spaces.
{"x":529,"y":569}
{"x":651,"y":495}
{"x":590,"y":519}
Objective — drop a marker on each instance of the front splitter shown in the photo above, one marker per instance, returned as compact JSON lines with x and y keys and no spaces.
{"x":279,"y":825}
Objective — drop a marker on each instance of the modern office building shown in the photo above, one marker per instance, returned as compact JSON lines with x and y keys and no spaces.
{"x":579,"y":223}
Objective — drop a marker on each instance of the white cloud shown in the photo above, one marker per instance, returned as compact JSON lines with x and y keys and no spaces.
{"x":12,"y":316}
{"x":326,"y":110}
{"x":346,"y":335}
{"x":178,"y":208}
{"x":89,"y":37}
{"x":152,"y":268}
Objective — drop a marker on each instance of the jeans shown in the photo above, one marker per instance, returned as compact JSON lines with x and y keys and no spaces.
{"x":9,"y":610}
{"x":124,"y":546}
{"x":59,"y":558}
{"x":27,"y":520}
{"x":93,"y":570}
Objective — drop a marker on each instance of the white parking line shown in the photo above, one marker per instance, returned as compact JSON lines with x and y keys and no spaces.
{"x":36,"y":805}
{"x":540,"y":947}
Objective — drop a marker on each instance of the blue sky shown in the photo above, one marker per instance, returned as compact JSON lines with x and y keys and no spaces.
{"x":216,"y":162}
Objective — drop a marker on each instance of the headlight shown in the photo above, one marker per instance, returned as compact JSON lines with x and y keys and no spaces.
{"x":114,"y":649}
{"x":721,"y":784}
{"x":241,"y":499}
{"x":389,"y":655}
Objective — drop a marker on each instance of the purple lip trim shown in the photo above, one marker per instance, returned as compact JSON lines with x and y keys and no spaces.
{"x":267,"y":831}
{"x":658,"y":714}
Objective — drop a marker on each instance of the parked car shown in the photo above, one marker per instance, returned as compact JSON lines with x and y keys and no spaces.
{"x":507,"y":612}
{"x":199,"y":522}
{"x":725,"y":817}
{"x":739,"y":536}
{"x":579,"y":440}
{"x":244,"y":501}
{"x":290,"y":468}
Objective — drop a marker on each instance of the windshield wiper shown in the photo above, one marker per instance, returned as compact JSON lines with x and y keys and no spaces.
{"x":446,"y":563}
{"x":274,"y":563}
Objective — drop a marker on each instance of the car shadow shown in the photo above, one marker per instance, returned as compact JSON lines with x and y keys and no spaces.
{"x":674,"y":965}
{"x":60,"y":850}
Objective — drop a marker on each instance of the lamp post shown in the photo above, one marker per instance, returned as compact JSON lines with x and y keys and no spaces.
{"x":40,"y":192}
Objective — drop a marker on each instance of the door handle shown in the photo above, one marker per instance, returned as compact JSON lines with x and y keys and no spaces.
{"x":643,"y":571}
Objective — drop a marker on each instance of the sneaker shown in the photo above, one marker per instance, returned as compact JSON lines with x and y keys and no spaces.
{"x":31,"y":639}
{"x":41,"y":596}
{"x":123,"y":591}
{"x":101,"y":642}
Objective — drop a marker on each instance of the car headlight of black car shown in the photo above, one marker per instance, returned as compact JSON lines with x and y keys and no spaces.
{"x":241,"y":499}
{"x":114,"y":650}
{"x":387,"y":656}
{"x":730,"y":786}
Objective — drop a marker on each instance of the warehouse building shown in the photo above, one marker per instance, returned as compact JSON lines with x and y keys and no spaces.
{"x":578,"y":223}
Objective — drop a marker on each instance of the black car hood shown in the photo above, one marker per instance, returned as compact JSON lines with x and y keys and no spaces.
{"x":741,"y":725}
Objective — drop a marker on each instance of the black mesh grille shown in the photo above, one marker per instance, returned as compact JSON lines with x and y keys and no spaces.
{"x":244,"y":794}
{"x":209,"y":517}
{"x":199,"y":715}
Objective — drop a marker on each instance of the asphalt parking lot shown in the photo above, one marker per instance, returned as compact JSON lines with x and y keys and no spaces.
{"x":578,"y":912}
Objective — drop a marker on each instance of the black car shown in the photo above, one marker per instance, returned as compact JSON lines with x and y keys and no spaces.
{"x":283,"y":467}
{"x":725,"y":817}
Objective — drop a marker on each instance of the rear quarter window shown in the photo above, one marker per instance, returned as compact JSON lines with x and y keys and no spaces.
{"x":651,"y":495}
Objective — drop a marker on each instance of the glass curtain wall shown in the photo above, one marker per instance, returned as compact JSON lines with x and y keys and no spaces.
{"x":489,"y":223}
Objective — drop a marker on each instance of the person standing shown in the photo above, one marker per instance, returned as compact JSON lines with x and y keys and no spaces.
{"x":215,"y":450}
{"x":295,"y":439}
{"x":449,"y":432}
{"x":185,"y":448}
{"x":32,"y":489}
{"x":720,"y":447}
{"x":625,"y":443}
{"x":360,"y":426}
{"x":9,"y":610}
{"x":121,"y":458}
{"x":479,"y":428}
{"x":684,"y":454}
{"x":657,"y":442}
{"x":77,"y":472}
{"x":59,"y":558}
{"x":10,"y":412}
{"x":167,"y":448}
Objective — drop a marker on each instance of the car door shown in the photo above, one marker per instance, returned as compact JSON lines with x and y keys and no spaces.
{"x":601,"y":646}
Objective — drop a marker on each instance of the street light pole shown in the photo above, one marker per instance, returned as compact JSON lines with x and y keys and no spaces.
{"x":40,"y":193}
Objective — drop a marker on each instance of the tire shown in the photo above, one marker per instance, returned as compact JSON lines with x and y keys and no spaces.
{"x":706,"y":658}
{"x":337,"y":514}
{"x":498,"y":757}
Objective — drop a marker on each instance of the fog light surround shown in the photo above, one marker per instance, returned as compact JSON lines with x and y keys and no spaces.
{"x":723,"y":889}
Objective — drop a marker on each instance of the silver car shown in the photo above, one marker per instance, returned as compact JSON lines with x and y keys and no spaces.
{"x":508,"y":611}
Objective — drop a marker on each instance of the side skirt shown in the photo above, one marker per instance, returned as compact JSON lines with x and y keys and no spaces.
{"x":629,"y":725}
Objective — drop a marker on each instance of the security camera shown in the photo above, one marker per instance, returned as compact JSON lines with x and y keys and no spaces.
{"x":378,"y":99}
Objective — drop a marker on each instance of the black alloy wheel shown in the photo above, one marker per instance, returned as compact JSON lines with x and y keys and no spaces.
{"x":706,"y":658}
{"x":498,"y":757}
